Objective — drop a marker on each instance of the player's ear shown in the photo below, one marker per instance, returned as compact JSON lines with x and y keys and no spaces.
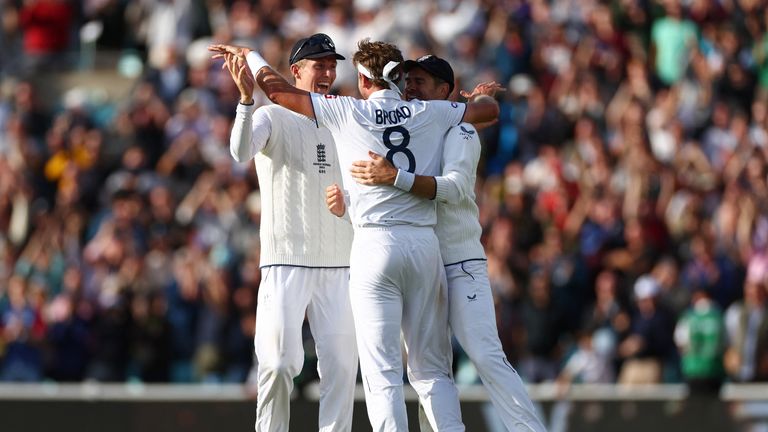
{"x":445,"y":90}
{"x":366,"y":82}
{"x":296,"y":71}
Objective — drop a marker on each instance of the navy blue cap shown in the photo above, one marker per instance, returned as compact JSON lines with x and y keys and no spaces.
{"x":316,"y":46}
{"x":435,"y":66}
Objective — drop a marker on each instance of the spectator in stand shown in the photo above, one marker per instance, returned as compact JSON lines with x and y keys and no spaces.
{"x":149,"y":339}
{"x":649,"y":350}
{"x":592,"y":361}
{"x":46,"y":25}
{"x":700,"y":337}
{"x":69,"y":338}
{"x":746,"y":358}
{"x":674,"y":37}
{"x":184,"y":299}
{"x":609,"y":311}
{"x":542,"y":321}
{"x":23,"y":331}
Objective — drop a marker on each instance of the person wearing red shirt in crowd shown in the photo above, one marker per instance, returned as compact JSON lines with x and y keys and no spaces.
{"x":46,"y":26}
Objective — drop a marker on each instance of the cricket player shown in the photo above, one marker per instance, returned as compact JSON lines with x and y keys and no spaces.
{"x":397,"y":280}
{"x":472,"y":315}
{"x":304,"y":253}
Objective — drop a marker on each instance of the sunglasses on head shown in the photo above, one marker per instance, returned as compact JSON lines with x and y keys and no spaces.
{"x":321,"y":40}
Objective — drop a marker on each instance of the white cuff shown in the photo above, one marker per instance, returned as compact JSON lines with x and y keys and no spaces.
{"x":245,"y":109}
{"x":442,"y":189}
{"x":255,"y":62}
{"x":404,"y":180}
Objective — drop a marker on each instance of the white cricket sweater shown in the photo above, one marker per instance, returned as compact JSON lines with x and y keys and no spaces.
{"x":458,"y":227}
{"x":295,"y":162}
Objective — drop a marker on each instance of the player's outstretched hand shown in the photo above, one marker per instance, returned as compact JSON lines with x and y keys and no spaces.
{"x":334,"y":199}
{"x":377,"y":171}
{"x":220,"y":49}
{"x":241,"y":75}
{"x":487,"y":88}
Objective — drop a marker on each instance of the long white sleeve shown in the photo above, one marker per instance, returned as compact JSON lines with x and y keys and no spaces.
{"x":250,"y":132}
{"x":252,"y":58}
{"x":458,"y":228}
{"x":461,"y":153}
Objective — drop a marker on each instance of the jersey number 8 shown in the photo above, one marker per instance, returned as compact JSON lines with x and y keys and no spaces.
{"x":402,"y":148}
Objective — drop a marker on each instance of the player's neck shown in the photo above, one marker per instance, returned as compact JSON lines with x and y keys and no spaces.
{"x":307,"y":87}
{"x":368,"y":91}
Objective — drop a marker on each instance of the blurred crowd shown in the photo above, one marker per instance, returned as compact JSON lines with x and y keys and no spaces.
{"x":623,"y":192}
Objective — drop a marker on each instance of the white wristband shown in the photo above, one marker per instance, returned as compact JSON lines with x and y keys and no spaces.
{"x":404,"y":180}
{"x":255,"y":62}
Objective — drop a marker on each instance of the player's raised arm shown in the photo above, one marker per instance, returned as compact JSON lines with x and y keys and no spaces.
{"x":249,"y":134}
{"x":281,"y":92}
{"x":277,"y":88}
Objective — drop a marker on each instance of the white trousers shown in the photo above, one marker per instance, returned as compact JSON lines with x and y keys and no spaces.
{"x":397,"y":281}
{"x":473,"y":322}
{"x":286,"y":294}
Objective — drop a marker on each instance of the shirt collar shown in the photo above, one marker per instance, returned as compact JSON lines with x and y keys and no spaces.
{"x":385,"y":94}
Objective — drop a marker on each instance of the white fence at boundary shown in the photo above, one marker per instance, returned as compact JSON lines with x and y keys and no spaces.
{"x":237,"y":392}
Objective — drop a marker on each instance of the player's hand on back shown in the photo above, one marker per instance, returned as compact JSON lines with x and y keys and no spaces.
{"x":377,"y":171}
{"x":334,"y":199}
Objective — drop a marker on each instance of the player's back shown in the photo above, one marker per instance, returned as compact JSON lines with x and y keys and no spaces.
{"x":409,"y":134}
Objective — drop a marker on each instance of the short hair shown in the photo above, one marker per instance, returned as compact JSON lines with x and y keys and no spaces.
{"x":374,"y":56}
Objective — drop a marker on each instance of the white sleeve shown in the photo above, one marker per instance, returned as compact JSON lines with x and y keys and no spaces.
{"x":330,"y":110}
{"x":461,"y":153}
{"x":250,"y":132}
{"x":253,"y":60}
{"x":447,"y":113}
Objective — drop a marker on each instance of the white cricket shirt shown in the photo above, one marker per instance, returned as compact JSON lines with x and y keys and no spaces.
{"x":295,"y":162}
{"x":458,"y":227}
{"x":409,"y":134}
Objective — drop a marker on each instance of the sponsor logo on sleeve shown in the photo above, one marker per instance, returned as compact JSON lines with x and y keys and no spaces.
{"x":466,"y":134}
